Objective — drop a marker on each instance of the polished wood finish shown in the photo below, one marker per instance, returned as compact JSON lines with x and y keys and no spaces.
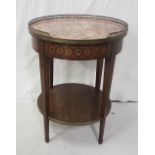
{"x":51,"y":72}
{"x":45,"y":83}
{"x":76,"y":104}
{"x":74,"y":52}
{"x":77,"y":52}
{"x":108,"y":73}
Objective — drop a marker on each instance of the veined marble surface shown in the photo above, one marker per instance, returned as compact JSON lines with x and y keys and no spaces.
{"x":78,"y":28}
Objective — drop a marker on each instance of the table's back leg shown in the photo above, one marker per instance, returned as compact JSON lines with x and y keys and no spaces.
{"x":99,"y":67}
{"x":45,"y":84}
{"x":108,"y":73}
{"x":51,"y":72}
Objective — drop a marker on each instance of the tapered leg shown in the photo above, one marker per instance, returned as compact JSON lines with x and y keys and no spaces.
{"x":99,"y":67}
{"x":108,"y":73}
{"x":45,"y":83}
{"x":51,"y":72}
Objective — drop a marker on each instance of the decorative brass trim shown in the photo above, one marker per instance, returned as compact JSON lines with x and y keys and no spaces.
{"x":45,"y":36}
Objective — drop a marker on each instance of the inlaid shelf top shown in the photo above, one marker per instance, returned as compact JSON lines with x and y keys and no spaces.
{"x":77,"y":28}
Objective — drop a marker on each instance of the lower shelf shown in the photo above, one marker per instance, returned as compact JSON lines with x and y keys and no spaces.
{"x":74,"y":104}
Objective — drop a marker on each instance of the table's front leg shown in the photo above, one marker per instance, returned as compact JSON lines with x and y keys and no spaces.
{"x":45,"y":84}
{"x":108,"y":73}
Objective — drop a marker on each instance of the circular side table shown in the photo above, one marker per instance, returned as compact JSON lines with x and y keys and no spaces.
{"x":76,"y":37}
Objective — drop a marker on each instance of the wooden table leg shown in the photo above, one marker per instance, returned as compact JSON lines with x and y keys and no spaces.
{"x":99,"y":67}
{"x":45,"y":84}
{"x":108,"y":73}
{"x":51,"y":72}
